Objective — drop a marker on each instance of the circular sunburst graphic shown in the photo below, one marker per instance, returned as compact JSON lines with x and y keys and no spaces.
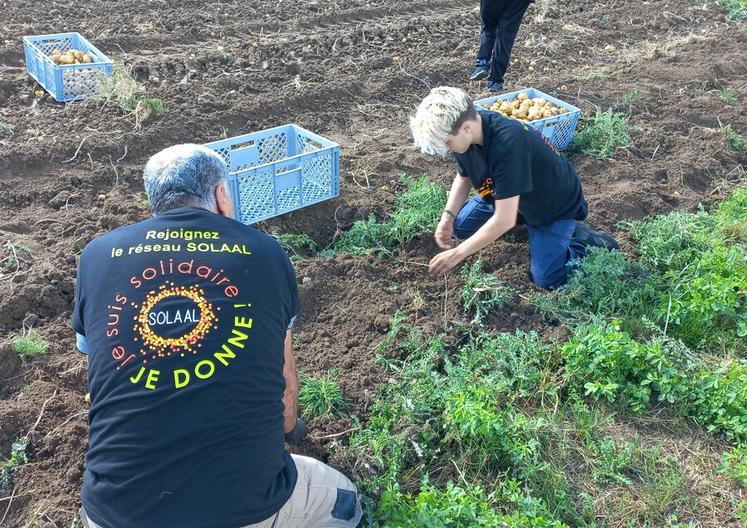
{"x":159,"y":345}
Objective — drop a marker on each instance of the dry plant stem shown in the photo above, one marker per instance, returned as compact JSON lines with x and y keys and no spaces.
{"x":41,"y":413}
{"x":335,"y":435}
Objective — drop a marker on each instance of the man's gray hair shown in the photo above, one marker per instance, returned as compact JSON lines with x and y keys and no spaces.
{"x":184,"y":175}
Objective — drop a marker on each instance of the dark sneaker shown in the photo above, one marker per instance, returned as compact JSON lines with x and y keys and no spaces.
{"x":494,"y":86}
{"x":481,"y":71}
{"x":590,"y":238}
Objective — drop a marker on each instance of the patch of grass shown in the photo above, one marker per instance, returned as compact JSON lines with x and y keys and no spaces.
{"x":31,"y":344}
{"x":729,"y":96}
{"x":17,"y":458}
{"x":321,"y":396}
{"x":417,"y":212}
{"x":124,"y":91}
{"x":735,"y":139}
{"x":631,"y":96}
{"x":737,"y":8}
{"x":483,"y":293}
{"x":602,"y":134}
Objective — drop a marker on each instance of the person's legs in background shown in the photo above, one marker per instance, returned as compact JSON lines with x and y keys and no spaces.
{"x":508,"y":27}
{"x":487,"y":40}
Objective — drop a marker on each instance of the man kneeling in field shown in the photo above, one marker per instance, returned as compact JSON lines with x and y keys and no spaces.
{"x":516,"y":173}
{"x":186,"y":319}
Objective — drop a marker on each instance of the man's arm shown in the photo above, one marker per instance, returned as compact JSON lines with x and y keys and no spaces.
{"x":457,"y":195}
{"x":502,"y":220}
{"x":290,"y":397}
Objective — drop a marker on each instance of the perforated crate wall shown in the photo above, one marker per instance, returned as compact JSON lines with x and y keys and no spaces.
{"x":71,"y":82}
{"x":558,"y":130}
{"x":279,"y":170}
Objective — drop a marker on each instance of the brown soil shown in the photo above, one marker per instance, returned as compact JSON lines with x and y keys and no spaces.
{"x":351,"y":70}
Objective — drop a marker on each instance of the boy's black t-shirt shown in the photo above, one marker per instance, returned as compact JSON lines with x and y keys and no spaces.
{"x":185,"y":316}
{"x":517,"y":160}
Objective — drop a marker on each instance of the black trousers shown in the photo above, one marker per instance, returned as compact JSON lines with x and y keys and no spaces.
{"x":500,"y":24}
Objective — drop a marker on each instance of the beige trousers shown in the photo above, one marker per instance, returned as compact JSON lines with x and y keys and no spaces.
{"x":323,"y":498}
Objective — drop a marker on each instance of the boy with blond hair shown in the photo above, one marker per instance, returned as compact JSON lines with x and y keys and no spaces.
{"x":516,"y":173}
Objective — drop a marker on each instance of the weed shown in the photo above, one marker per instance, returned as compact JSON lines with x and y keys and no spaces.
{"x":483,"y":293}
{"x":735,"y":139}
{"x":729,"y":96}
{"x":30,"y":344}
{"x":17,"y":458}
{"x":631,"y":96}
{"x":7,"y":127}
{"x":417,"y":212}
{"x":734,"y":464}
{"x":125,"y":92}
{"x":612,"y":461}
{"x":321,"y":396}
{"x":737,"y":8}
{"x":296,"y":244}
{"x":602,"y":134}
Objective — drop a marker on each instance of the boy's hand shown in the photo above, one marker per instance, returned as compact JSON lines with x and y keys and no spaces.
{"x":445,"y":232}
{"x":444,"y":261}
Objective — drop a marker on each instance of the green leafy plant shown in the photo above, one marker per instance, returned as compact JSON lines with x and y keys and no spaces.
{"x":417,"y":212}
{"x":735,"y":139}
{"x":17,"y":458}
{"x":631,"y":96}
{"x":483,"y":293}
{"x":737,"y":8}
{"x":296,"y":244}
{"x":30,"y":344}
{"x":729,"y":96}
{"x":124,"y":91}
{"x":602,"y":134}
{"x":321,"y":396}
{"x":734,"y":464}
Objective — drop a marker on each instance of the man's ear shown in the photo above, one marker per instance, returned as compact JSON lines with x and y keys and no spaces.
{"x":223,"y":201}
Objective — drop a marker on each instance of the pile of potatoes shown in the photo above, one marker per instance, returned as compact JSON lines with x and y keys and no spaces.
{"x":71,"y":56}
{"x":525,"y":109}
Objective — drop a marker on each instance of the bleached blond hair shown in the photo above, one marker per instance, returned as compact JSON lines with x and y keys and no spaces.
{"x":441,"y":113}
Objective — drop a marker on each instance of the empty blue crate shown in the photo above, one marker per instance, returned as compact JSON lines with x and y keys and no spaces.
{"x":71,"y":82}
{"x":557,"y":129}
{"x":279,"y":170}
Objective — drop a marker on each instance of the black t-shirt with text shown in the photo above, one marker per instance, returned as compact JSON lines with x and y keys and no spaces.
{"x":517,"y":160}
{"x":185,"y":316}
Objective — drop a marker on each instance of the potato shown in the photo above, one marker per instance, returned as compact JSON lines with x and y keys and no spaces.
{"x":515,"y":104}
{"x":66,"y":58}
{"x":520,"y":114}
{"x":533,"y":113}
{"x":87,"y":59}
{"x":522,"y":96}
{"x":505,"y":107}
{"x":538,"y":101}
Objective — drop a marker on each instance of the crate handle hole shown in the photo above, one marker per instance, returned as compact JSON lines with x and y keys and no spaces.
{"x":247,"y":144}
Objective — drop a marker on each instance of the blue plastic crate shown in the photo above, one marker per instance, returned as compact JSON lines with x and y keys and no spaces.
{"x":279,"y":170}
{"x":65,"y":83}
{"x":558,"y":129}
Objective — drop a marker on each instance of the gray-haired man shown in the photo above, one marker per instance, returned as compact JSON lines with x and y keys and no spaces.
{"x":186,"y":319}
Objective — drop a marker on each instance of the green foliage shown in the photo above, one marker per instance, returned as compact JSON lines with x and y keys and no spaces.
{"x":608,"y":363}
{"x":735,"y":139}
{"x":31,"y":344}
{"x":734,"y":464}
{"x":297,"y":244}
{"x":457,"y":506}
{"x":631,"y":96}
{"x":737,"y":8}
{"x":483,"y":293}
{"x":604,"y":283}
{"x":612,"y":461}
{"x":417,"y":212}
{"x":17,"y":458}
{"x":321,"y":396}
{"x":602,"y":134}
{"x":717,"y":397}
{"x":124,"y":91}
{"x":729,"y":96}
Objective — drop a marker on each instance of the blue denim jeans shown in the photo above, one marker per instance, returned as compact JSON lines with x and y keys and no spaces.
{"x":551,"y":246}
